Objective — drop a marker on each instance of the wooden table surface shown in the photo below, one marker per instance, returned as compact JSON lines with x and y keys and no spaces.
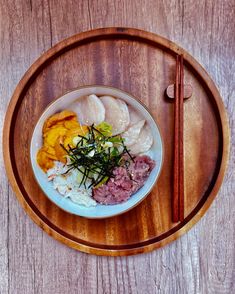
{"x":203,"y":260}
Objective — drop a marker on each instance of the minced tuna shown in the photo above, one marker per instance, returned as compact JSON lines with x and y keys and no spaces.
{"x":126,"y":181}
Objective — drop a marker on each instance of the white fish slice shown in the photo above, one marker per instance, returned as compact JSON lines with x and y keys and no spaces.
{"x":116,"y":114}
{"x":135,"y":117}
{"x":144,"y":141}
{"x":125,"y":112}
{"x":132,"y":133}
{"x":90,"y":110}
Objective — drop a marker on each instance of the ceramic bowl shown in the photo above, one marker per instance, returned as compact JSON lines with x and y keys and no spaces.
{"x":99,"y":211}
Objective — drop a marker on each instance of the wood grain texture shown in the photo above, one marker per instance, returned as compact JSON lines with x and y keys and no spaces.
{"x":149,"y":224}
{"x":202,"y":261}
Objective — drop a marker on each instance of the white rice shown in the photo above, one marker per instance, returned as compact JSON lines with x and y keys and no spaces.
{"x":68,"y":186}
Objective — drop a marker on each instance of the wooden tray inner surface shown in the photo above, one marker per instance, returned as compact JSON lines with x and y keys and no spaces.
{"x":144,"y":70}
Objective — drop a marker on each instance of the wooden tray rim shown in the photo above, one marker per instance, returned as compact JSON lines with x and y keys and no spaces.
{"x":56,"y":50}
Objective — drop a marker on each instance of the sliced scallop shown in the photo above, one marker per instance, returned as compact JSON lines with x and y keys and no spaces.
{"x":144,"y":141}
{"x":135,"y":116}
{"x":132,"y":133}
{"x":116,"y":114}
{"x":90,"y":110}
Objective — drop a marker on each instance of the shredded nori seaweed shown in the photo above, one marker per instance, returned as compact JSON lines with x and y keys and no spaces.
{"x":99,"y":167}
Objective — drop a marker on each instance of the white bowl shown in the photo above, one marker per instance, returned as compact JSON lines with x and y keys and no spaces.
{"x":99,"y":211}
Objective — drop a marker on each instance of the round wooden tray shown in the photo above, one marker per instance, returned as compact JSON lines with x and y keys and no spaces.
{"x":143,"y":64}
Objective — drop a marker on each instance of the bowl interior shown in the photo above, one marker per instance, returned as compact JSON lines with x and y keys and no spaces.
{"x":100,"y":211}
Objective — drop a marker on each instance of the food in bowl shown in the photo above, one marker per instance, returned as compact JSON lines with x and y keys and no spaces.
{"x":94,"y":151}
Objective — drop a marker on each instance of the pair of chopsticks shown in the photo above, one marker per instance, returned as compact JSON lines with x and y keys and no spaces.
{"x":178,"y":194}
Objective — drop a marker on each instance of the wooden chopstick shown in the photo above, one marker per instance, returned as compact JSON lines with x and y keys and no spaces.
{"x":181,"y":141}
{"x":178,"y":188}
{"x":175,"y":205}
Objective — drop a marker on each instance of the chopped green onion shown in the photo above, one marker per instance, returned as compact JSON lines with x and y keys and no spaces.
{"x":96,"y":155}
